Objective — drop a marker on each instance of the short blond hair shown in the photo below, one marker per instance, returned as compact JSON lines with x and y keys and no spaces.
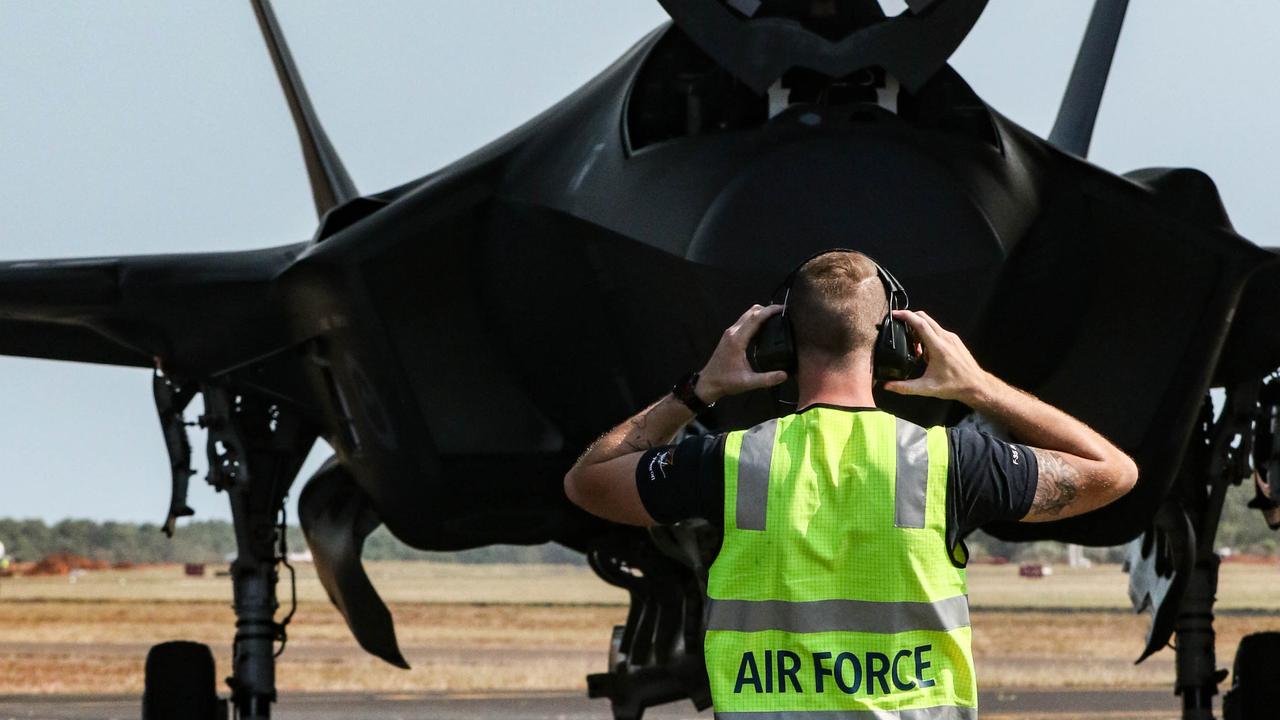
{"x":836,"y":304}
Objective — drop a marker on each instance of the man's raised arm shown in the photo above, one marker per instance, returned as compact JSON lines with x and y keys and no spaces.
{"x":602,"y":482}
{"x":1079,"y":470}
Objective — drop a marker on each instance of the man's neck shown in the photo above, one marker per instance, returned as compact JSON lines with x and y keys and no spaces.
{"x":846,"y":384}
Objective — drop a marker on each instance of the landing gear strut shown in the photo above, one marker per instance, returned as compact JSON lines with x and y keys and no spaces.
{"x":1174,"y":567}
{"x":256,"y":446}
{"x":1220,"y":460}
{"x":255,"y":449}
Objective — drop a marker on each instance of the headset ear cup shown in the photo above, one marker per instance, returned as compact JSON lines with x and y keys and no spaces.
{"x":894,"y":357}
{"x":773,"y":346}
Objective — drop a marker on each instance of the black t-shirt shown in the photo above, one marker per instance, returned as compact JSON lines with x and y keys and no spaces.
{"x":988,"y":480}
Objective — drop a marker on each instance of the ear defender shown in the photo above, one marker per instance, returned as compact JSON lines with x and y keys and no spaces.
{"x":773,"y":347}
{"x":893,"y":357}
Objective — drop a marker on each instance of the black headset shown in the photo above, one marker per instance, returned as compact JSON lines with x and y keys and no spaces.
{"x":893,"y":358}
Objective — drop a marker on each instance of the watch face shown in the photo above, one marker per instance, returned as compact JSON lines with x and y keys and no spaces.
{"x":683,"y":391}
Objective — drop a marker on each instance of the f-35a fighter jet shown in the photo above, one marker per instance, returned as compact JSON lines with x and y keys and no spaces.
{"x":459,"y":339}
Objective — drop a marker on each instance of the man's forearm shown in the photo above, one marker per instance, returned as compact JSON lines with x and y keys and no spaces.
{"x":1079,"y":470}
{"x":1035,"y":422}
{"x":655,"y":425}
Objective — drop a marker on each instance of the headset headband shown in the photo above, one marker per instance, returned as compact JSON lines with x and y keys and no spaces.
{"x":893,"y":290}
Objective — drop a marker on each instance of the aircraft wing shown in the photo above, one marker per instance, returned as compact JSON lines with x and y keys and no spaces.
{"x":199,"y":311}
{"x":54,"y":341}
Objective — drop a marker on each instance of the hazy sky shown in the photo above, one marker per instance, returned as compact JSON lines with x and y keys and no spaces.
{"x":141,"y":127}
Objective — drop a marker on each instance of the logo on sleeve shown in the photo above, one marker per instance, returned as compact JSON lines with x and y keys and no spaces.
{"x":660,"y":463}
{"x":1015,"y":455}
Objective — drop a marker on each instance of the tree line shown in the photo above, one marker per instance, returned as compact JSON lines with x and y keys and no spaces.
{"x":1242,"y":530}
{"x":212,"y":541}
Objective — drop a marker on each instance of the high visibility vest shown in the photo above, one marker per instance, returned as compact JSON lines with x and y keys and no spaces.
{"x":834,"y":595}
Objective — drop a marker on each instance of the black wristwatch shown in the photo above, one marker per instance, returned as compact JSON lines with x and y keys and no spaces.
{"x":683,"y":391}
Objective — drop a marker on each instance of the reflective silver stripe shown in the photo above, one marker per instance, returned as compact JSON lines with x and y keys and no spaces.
{"x":911,"y":479}
{"x":754,"y":459}
{"x":941,"y":712}
{"x":835,"y":615}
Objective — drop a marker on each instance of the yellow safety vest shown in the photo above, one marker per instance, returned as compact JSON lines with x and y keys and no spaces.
{"x":834,"y":595}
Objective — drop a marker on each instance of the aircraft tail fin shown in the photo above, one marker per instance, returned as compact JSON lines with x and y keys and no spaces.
{"x":331,"y":186}
{"x":1073,"y":128}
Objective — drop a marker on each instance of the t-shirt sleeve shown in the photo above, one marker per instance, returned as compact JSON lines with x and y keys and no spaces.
{"x":991,"y":481}
{"x":685,"y":480}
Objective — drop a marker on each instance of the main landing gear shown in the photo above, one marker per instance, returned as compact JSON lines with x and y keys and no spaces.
{"x":656,"y":657}
{"x":1174,"y":567}
{"x":255,"y":448}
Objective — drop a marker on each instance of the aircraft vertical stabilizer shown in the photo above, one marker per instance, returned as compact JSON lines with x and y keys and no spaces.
{"x":1073,"y":128}
{"x":330,"y":184}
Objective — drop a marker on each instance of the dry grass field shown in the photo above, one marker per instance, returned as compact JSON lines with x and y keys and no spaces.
{"x":408,"y":582}
{"x":481,"y":627}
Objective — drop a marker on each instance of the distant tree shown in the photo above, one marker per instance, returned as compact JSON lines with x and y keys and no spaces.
{"x":24,"y":539}
{"x":212,"y":541}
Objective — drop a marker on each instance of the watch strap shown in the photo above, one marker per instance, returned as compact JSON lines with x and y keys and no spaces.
{"x":683,"y":391}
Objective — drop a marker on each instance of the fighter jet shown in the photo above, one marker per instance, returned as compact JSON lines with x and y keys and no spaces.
{"x":460,"y":338}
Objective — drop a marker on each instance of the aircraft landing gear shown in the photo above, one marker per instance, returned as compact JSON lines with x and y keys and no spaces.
{"x":1174,"y":567}
{"x":1214,"y":465}
{"x":1197,"y":672}
{"x":255,"y":448}
{"x":656,"y":657}
{"x":253,"y":578}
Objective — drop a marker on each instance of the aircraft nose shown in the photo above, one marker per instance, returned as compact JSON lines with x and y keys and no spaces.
{"x":863,"y":192}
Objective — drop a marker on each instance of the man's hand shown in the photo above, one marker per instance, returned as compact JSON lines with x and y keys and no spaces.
{"x":952,"y":373}
{"x":728,"y":372}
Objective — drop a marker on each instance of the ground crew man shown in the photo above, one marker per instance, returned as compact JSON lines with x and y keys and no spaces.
{"x":839,"y":589}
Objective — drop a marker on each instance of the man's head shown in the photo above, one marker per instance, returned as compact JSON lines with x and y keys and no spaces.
{"x":836,"y":303}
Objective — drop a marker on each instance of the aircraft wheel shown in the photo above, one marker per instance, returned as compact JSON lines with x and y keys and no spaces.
{"x":180,"y":683}
{"x":1255,"y":679}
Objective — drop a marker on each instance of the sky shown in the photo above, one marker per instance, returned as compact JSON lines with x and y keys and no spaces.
{"x":147,"y":127}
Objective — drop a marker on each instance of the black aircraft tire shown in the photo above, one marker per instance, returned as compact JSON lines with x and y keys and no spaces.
{"x":1255,"y":682}
{"x":180,"y":683}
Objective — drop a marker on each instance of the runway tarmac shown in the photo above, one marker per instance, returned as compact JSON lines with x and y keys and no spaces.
{"x":1028,"y":704}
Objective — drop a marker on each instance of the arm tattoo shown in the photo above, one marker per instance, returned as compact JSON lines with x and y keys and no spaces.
{"x":1057,"y":486}
{"x":653,"y":426}
{"x":638,"y":446}
{"x":638,"y":424}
